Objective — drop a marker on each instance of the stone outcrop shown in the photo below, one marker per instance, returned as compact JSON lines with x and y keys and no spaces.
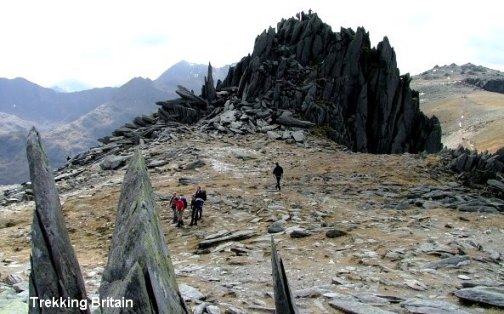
{"x":476,"y":169}
{"x":336,"y":80}
{"x":139,"y":267}
{"x":306,"y":75}
{"x":492,"y":85}
{"x":284,"y":302}
{"x":55,"y":272}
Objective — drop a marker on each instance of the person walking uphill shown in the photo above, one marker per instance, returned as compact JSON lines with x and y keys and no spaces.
{"x":278,"y":174}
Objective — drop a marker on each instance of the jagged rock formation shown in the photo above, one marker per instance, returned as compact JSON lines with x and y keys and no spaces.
{"x":305,"y":71}
{"x":139,"y":267}
{"x":336,"y":80}
{"x":477,"y":169}
{"x":491,"y":85}
{"x":55,"y":272}
{"x":284,"y":302}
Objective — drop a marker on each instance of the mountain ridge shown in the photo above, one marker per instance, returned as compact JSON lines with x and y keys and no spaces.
{"x":68,"y":119}
{"x":468,"y":102}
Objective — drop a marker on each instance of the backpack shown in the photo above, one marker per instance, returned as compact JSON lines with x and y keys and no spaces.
{"x":185,"y":202}
{"x":203,"y":195}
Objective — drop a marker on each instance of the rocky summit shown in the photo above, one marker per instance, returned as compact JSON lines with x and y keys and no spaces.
{"x":349,"y":231}
{"x":303,"y":74}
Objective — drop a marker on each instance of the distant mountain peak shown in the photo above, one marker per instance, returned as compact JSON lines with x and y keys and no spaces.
{"x":70,"y":86}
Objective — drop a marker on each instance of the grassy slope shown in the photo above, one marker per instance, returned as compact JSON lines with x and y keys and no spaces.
{"x":470,"y":117}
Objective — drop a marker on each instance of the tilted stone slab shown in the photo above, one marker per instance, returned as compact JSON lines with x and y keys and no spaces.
{"x":55,"y":272}
{"x":449,"y":262}
{"x":354,"y":307}
{"x":284,"y":302}
{"x":229,"y":236}
{"x":488,"y":295}
{"x":420,"y":306}
{"x":139,"y":267}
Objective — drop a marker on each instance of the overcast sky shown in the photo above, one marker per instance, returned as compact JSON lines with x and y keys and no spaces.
{"x":108,"y":42}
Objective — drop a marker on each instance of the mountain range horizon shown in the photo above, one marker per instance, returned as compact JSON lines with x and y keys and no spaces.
{"x":73,"y":85}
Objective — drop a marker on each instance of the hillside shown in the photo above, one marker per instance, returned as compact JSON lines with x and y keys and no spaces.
{"x":470,"y":115}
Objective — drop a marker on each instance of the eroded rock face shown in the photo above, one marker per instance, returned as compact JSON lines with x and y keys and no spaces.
{"x":55,"y":272}
{"x":337,"y":80}
{"x":139,"y":267}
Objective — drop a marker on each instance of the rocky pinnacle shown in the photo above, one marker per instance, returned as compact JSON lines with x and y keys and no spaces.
{"x":284,"y":302}
{"x":55,"y":272}
{"x":139,"y":267}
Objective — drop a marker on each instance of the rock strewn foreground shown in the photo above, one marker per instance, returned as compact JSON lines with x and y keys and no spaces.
{"x":367,"y":231}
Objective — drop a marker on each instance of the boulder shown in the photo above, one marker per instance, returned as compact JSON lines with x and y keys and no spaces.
{"x":335,"y":233}
{"x":298,"y":136}
{"x":276,"y":227}
{"x":113,"y":162}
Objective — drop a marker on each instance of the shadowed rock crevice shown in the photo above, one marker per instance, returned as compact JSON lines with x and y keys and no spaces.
{"x":55,"y":272}
{"x":284,"y":302}
{"x":139,"y":264}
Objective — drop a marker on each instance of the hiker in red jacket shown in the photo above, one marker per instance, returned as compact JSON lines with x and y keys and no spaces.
{"x":179,"y":207}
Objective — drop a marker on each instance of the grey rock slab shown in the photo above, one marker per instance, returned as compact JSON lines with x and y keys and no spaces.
{"x":139,"y":266}
{"x":113,"y":162}
{"x":190,"y":293}
{"x":228,"y":117}
{"x":421,"y":306}
{"x":157,"y":163}
{"x":356,"y":307}
{"x":234,"y":310}
{"x":274,"y":135}
{"x":55,"y":271}
{"x":298,"y":136}
{"x":476,"y":208}
{"x":496,"y":184}
{"x":194,"y":165}
{"x":487,"y":295}
{"x":187,"y":180}
{"x":450,"y":262}
{"x":228,"y":236}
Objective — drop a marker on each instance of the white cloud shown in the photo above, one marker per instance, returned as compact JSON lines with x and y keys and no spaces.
{"x":108,"y":42}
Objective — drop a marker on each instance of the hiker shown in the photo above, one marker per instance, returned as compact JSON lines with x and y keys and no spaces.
{"x":184,"y":200}
{"x":179,"y":207}
{"x":199,"y":199}
{"x":172,"y":205}
{"x":278,"y":174}
{"x":194,"y":212}
{"x":198,"y":203}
